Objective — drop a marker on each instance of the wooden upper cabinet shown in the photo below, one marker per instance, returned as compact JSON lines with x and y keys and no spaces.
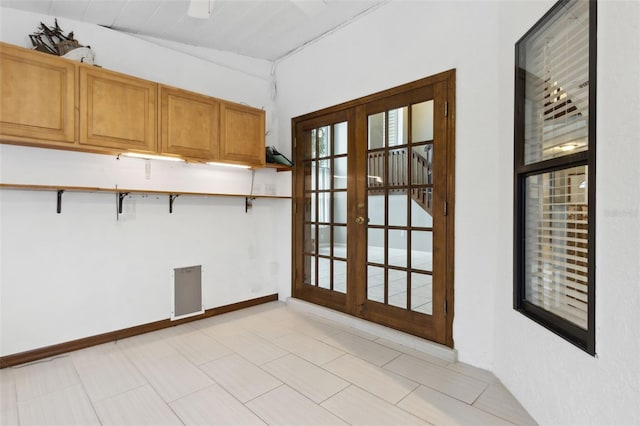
{"x":48,"y":101}
{"x":242,"y":135}
{"x":189,"y":124}
{"x":117,"y":111}
{"x":37,"y":97}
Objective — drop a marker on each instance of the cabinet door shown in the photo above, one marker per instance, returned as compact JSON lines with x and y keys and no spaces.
{"x":37,"y":97}
{"x":242,"y":136}
{"x":117,"y":111}
{"x":189,"y":124}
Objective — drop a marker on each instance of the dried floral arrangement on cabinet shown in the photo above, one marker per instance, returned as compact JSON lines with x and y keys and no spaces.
{"x":54,"y":42}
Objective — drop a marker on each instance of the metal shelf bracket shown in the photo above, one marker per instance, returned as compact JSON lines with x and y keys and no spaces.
{"x":172,"y":198}
{"x":59,"y":207}
{"x":121,"y":196}
{"x":248,"y":203}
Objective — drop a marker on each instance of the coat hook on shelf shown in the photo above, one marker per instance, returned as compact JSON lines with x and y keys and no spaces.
{"x":172,"y":198}
{"x":59,"y":208}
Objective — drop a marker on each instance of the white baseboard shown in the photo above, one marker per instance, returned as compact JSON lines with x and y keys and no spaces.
{"x":430,"y":348}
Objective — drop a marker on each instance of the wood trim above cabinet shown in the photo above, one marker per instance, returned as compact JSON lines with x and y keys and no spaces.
{"x":242,"y":134}
{"x":37,"y":98}
{"x":117,"y":111}
{"x":189,"y":124}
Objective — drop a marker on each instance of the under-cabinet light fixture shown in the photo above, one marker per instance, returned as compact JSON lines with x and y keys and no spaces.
{"x":150,"y":156}
{"x":238,"y":166}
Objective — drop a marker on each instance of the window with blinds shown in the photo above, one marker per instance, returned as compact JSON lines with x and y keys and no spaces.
{"x":555,"y":172}
{"x":557,"y":244}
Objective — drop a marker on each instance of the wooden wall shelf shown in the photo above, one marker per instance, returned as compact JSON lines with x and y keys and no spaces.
{"x":278,"y":167}
{"x":121,"y":193}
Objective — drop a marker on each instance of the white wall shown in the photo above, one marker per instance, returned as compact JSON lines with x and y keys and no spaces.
{"x":85,"y":272}
{"x":558,"y":383}
{"x":421,"y":39}
{"x":405,"y":41}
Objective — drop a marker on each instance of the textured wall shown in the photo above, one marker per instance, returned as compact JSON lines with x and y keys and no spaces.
{"x":557,"y":382}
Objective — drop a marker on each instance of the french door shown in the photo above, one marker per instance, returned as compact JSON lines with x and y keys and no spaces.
{"x":373,"y":207}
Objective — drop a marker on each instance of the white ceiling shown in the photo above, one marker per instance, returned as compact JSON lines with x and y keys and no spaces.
{"x":264,"y":29}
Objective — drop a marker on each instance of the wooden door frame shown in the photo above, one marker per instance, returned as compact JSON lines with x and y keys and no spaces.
{"x":350,"y":305}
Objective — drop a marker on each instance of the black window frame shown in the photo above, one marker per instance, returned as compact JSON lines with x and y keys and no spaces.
{"x":584,"y":339}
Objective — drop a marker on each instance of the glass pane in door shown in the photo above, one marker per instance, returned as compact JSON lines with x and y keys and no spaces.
{"x":339,"y":241}
{"x":325,"y":216}
{"x":397,"y":247}
{"x":324,"y":272}
{"x":422,"y":250}
{"x":376,"y":245}
{"x":397,"y":125}
{"x":376,"y":207}
{"x":422,"y":164}
{"x":422,"y":207}
{"x":340,"y":276}
{"x":398,"y":208}
{"x":376,"y":131}
{"x":340,"y":136}
{"x":397,"y":288}
{"x":323,"y":141}
{"x":422,"y":122}
{"x":400,"y":189}
{"x":421,"y":292}
{"x":310,"y":238}
{"x":375,"y":284}
{"x":310,"y":270}
{"x":340,"y":173}
{"x":340,"y":207}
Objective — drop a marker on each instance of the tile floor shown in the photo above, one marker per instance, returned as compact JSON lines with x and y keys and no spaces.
{"x":270,"y":364}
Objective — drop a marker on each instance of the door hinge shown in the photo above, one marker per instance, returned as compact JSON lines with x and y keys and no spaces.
{"x":295,"y":208}
{"x":445,"y":306}
{"x":446,"y":208}
{"x":446,"y":109}
{"x":295,"y":143}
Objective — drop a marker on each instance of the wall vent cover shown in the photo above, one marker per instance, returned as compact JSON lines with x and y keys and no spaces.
{"x":187,"y":292}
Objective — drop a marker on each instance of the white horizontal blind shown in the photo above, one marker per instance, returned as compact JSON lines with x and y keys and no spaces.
{"x":557,"y":86}
{"x":556,"y":243}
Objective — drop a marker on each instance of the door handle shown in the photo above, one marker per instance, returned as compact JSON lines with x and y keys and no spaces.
{"x":360,"y":220}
